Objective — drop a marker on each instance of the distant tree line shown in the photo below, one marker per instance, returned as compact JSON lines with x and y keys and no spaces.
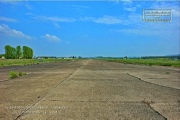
{"x":162,"y":57}
{"x":16,"y":53}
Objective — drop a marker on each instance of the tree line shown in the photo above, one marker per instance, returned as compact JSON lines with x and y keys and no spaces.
{"x":16,"y":53}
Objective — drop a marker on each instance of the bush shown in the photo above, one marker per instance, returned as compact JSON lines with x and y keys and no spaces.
{"x":22,"y":73}
{"x":13,"y":74}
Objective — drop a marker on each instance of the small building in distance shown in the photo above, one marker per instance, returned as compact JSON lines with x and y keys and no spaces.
{"x":2,"y":57}
{"x":46,"y":57}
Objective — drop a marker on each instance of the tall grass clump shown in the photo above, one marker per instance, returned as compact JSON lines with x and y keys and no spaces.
{"x":13,"y":74}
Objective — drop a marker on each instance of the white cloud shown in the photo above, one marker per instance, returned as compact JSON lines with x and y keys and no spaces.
{"x":5,"y":30}
{"x":108,"y":20}
{"x":80,"y":6}
{"x":174,"y":6}
{"x":162,"y":30}
{"x":130,"y":6}
{"x":9,"y":2}
{"x":104,"y":20}
{"x":165,"y":30}
{"x":175,"y":13}
{"x":56,"y":25}
{"x":6,"y":19}
{"x":17,"y":3}
{"x":138,"y":31}
{"x":28,"y":6}
{"x":131,"y":9}
{"x":51,"y":38}
{"x":55,"y":19}
{"x":30,"y":14}
{"x":124,"y":1}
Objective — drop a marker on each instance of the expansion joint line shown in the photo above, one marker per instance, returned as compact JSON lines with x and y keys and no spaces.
{"x":150,"y":82}
{"x":155,"y":111}
{"x":146,"y":103}
{"x":47,"y":93}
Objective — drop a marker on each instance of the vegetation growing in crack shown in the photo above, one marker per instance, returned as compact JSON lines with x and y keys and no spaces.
{"x":14,"y":74}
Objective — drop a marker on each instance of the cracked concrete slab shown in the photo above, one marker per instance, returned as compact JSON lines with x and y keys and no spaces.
{"x":90,"y":89}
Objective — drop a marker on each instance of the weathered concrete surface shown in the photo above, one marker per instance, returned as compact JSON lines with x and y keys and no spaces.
{"x":90,"y":89}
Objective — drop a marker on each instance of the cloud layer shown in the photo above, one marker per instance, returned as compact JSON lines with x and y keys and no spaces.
{"x":103,"y":20}
{"x":6,"y":19}
{"x":51,"y":38}
{"x":5,"y":30}
{"x":55,"y":19}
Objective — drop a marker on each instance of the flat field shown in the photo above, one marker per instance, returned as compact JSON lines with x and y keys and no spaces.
{"x":90,"y":89}
{"x":155,"y":61}
{"x":22,"y":62}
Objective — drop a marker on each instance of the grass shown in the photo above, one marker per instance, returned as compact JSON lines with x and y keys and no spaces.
{"x":149,"y":62}
{"x":21,"y":73}
{"x":22,"y":62}
{"x":13,"y":74}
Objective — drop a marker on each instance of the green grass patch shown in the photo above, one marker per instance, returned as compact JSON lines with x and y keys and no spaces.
{"x":22,"y":62}
{"x":14,"y":74}
{"x":21,"y":73}
{"x":149,"y":62}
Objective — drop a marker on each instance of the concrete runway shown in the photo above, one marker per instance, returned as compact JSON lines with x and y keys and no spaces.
{"x":90,"y":90}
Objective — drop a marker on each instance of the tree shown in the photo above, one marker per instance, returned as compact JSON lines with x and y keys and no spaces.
{"x":30,"y":53}
{"x":18,"y":52}
{"x":24,"y":52}
{"x":27,"y":52}
{"x":8,"y":52}
{"x":13,"y":53}
{"x":125,"y":57}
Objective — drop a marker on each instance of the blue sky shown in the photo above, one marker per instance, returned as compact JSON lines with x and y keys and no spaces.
{"x":88,"y":29}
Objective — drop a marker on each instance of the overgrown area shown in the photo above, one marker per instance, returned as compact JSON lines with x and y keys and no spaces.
{"x":14,"y":74}
{"x":159,"y":62}
{"x":15,"y":62}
